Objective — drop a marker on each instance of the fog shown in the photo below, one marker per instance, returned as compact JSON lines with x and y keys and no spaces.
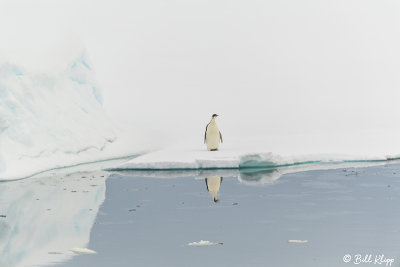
{"x":266,"y":67}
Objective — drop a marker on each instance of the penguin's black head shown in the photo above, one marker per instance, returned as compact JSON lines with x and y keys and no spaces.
{"x":214,"y":115}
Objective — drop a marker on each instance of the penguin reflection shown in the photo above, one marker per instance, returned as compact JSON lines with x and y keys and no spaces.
{"x":213,"y":184}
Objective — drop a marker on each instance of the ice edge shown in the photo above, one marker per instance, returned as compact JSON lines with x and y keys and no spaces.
{"x":261,"y":165}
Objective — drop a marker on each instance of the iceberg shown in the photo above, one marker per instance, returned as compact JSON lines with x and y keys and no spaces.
{"x":51,"y":119}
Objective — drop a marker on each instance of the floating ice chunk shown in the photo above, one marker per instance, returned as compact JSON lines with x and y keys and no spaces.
{"x":83,"y":251}
{"x":295,"y":241}
{"x":202,"y":243}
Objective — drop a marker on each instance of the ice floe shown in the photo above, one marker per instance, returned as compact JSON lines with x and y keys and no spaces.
{"x":83,"y":251}
{"x":267,"y":157}
{"x":296,"y":241}
{"x":203,"y":243}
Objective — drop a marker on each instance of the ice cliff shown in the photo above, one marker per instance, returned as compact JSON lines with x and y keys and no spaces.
{"x":51,"y":119}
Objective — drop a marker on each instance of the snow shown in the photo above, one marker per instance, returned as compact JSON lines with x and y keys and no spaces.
{"x":314,"y":151}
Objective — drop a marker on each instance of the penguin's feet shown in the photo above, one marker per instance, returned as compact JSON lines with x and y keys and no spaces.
{"x":215,"y":149}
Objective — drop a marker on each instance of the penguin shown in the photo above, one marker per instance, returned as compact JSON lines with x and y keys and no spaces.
{"x":212,"y":136}
{"x":213,"y":184}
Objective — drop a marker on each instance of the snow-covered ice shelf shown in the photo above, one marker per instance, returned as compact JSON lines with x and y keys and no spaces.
{"x":267,"y":152}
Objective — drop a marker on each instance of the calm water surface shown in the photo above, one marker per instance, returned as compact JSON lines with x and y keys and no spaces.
{"x":132,"y":220}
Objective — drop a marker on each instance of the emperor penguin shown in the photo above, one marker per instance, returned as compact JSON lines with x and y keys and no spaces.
{"x":213,"y":184}
{"x":212,"y":136}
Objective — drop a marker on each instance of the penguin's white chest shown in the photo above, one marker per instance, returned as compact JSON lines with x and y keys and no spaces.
{"x":212,"y":136}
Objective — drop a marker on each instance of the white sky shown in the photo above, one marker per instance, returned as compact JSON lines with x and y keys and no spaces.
{"x":264,"y":66}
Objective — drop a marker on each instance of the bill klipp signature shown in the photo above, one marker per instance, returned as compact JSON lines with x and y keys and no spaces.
{"x":379,"y":259}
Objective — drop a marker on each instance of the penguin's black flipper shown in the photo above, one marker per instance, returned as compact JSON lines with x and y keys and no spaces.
{"x":220,"y":137}
{"x":205,"y":134}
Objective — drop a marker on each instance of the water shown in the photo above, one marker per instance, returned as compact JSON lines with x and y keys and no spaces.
{"x":142,"y":221}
